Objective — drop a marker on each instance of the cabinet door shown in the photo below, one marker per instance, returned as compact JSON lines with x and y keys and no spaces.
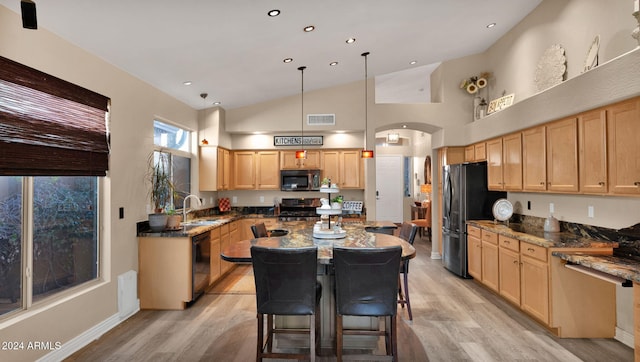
{"x":535,"y":288}
{"x":267,"y":170}
{"x":534,"y":170}
{"x":331,"y":169}
{"x":512,"y":162}
{"x":223,"y":169}
{"x":624,"y":148}
{"x":510,"y":275}
{"x":215,"y":257}
{"x":490,"y":265}
{"x":225,"y":241}
{"x":494,"y":164}
{"x":244,"y":170}
{"x":480,"y":151}
{"x":350,"y":169}
{"x":474,"y":249}
{"x":562,"y":156}
{"x":312,"y":162}
{"x":208,"y":168}
{"x":592,"y":135}
{"x":469,"y":153}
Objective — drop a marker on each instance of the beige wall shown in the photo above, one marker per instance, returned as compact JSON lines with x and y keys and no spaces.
{"x":134,"y":105}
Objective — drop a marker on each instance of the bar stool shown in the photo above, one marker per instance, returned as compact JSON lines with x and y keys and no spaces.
{"x":421,"y":216}
{"x":259,"y":230}
{"x":366,"y":285}
{"x":286,"y":284}
{"x":407,"y":233}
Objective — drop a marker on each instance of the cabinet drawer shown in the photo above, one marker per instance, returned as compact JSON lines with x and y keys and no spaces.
{"x":509,"y":243}
{"x":474,"y":231}
{"x":233,"y":226}
{"x":490,"y":237}
{"x":534,"y":251}
{"x":224,"y":229}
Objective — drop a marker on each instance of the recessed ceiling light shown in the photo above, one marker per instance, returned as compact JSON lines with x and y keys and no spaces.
{"x":491,"y":25}
{"x":217,"y":103}
{"x":333,"y":63}
{"x":274,"y":12}
{"x":351,"y":40}
{"x":187,"y":82}
{"x":309,"y":28}
{"x":404,"y":126}
{"x":288,"y":60}
{"x":413,"y":62}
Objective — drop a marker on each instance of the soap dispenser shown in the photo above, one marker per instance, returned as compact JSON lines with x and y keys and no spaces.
{"x":551,"y":224}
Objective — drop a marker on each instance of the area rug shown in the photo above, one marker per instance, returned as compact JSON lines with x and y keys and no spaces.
{"x":238,"y":281}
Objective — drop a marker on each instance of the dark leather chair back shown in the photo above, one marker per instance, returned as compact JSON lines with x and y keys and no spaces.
{"x":379,"y":230}
{"x":285,"y":280}
{"x":259,"y":230}
{"x":408,"y":232}
{"x":367,"y":280}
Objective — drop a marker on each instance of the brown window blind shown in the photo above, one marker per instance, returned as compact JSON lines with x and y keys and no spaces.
{"x":50,"y":127}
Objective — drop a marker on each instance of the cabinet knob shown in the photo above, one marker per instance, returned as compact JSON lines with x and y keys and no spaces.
{"x":542,"y":183}
{"x":515,"y":262}
{"x":601,"y":183}
{"x":637,"y":183}
{"x":531,"y":250}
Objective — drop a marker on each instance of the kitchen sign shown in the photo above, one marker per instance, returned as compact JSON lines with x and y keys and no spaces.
{"x":297,"y":140}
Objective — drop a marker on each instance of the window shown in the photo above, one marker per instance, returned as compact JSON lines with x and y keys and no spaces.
{"x":53,"y":146}
{"x":173,"y":147}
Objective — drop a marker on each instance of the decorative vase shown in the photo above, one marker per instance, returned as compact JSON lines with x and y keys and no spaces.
{"x":173,"y":222}
{"x":336,"y":205}
{"x":157,"y":222}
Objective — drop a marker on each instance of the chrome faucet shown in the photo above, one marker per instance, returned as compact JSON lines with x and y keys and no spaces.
{"x":184,"y":206}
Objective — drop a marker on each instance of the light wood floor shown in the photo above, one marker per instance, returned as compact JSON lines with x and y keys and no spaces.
{"x":454,"y":320}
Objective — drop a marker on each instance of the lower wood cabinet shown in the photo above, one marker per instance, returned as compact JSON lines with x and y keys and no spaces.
{"x":474,"y":252}
{"x":490,"y":273}
{"x":535,"y":283}
{"x":509,"y":269}
{"x":214,"y":260}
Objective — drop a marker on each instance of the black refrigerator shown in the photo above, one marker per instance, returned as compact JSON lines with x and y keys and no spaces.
{"x":465,"y":196}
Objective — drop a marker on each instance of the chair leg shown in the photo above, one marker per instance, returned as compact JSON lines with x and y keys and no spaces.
{"x":400,"y":294}
{"x":406,"y":293}
{"x":394,"y":338}
{"x":260,"y":338}
{"x":339,"y":337}
{"x":312,"y":338}
{"x":269,"y":333}
{"x":316,"y":316}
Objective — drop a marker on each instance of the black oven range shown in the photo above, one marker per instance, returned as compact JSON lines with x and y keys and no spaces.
{"x":299,"y":209}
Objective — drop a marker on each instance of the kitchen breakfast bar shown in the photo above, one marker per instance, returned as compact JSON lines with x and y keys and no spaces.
{"x":300,"y":234}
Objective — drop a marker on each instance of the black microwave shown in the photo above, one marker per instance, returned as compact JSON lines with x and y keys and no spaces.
{"x":300,"y":180}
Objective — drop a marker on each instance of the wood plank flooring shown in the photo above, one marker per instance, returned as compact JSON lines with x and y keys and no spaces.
{"x":454,"y":320}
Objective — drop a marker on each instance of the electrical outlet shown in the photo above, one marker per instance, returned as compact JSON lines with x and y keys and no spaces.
{"x":234,"y":199}
{"x":551,"y":207}
{"x":262,"y":199}
{"x":211,"y":200}
{"x":590,"y":211}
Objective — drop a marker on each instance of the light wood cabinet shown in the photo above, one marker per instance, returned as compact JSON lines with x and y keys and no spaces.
{"x":534,"y":170}
{"x":256,"y":170}
{"x":208,"y":168}
{"x":509,"y":269}
{"x":215,"y":261}
{"x":592,"y":140}
{"x":623,"y":126}
{"x":535,"y":281}
{"x":562,"y":156}
{"x":267,"y":170}
{"x":504,"y":163}
{"x":490,"y":273}
{"x":343,"y":168}
{"x":476,"y":152}
{"x":224,"y":169}
{"x":288,"y":160}
{"x":474,"y":252}
{"x":225,"y":241}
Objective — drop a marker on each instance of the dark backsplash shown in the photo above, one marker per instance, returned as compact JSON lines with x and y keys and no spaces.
{"x":628,"y":238}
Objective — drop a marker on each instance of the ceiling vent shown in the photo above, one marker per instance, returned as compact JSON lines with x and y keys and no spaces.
{"x":321,"y":119}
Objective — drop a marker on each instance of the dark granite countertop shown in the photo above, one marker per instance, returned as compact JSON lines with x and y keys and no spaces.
{"x":201,"y":225}
{"x":622,"y":267}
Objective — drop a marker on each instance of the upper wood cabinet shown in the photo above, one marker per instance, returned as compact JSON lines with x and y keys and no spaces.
{"x":592,"y":141}
{"x":504,"y":160}
{"x":344,"y":168}
{"x":224,"y":169}
{"x":534,"y":170}
{"x":476,"y":152}
{"x":562,"y":156}
{"x":267,"y":170}
{"x":623,"y":126}
{"x":256,"y":170}
{"x":288,"y":160}
{"x":208,"y":168}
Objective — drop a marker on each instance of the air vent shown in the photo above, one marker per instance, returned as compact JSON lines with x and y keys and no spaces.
{"x":321,"y":119}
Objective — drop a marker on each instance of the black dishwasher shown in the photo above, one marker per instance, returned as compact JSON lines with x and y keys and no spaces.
{"x":201,"y":264}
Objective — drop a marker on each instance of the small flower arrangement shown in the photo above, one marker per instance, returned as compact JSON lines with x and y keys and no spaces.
{"x":473,"y":84}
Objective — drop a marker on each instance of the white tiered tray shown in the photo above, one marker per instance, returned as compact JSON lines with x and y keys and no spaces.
{"x":332,"y":233}
{"x":321,"y":211}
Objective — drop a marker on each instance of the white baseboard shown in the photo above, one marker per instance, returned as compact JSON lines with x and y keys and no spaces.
{"x":624,"y":337}
{"x":87,"y":337}
{"x":435,"y":255}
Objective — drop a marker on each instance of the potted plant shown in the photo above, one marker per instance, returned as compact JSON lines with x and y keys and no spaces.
{"x":336,"y":202}
{"x":161,"y":190}
{"x":173,"y":219}
{"x":326,"y":182}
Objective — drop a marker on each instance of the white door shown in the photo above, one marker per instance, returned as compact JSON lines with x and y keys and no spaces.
{"x":389,"y":196}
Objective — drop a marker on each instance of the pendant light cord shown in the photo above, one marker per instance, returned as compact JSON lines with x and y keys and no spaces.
{"x":301,"y":69}
{"x":366,"y":97}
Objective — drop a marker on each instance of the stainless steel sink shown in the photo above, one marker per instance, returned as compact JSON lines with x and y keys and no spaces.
{"x":200,"y":222}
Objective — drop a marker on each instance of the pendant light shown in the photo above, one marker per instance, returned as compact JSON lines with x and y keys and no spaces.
{"x":204,"y":136}
{"x":365,"y":152}
{"x":302,"y":154}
